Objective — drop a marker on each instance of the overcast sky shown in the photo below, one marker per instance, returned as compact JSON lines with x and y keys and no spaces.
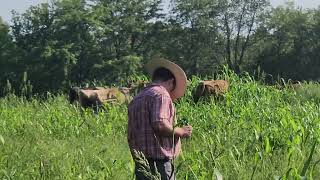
{"x":21,"y":5}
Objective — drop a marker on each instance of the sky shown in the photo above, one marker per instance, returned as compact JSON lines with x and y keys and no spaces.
{"x":21,"y":5}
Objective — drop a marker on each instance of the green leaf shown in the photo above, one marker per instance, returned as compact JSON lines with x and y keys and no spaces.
{"x":218,"y":174}
{"x":308,"y":162}
{"x":2,"y":139}
{"x":267,"y":145}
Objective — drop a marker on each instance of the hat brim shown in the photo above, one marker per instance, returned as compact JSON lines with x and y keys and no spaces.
{"x":178,"y":73}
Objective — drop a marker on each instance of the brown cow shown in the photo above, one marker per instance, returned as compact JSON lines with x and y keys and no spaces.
{"x":212,"y":87}
{"x":95,"y":97}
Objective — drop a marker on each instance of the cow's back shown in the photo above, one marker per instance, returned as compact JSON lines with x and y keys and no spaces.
{"x":215,"y":88}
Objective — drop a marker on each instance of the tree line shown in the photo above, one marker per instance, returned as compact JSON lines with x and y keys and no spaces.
{"x":54,"y":45}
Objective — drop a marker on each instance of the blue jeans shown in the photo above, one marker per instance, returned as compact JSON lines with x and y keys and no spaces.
{"x":164,"y":167}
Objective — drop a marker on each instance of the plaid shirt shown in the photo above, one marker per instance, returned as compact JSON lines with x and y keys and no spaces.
{"x":152,"y":104}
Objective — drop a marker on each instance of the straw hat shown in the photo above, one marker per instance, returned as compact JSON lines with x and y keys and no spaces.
{"x":178,"y":73}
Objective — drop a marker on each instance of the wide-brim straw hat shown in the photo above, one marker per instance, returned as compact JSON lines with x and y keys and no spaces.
{"x":178,"y":73}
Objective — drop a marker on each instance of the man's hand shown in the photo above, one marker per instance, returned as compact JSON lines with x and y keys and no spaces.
{"x":183,"y":132}
{"x":164,"y":129}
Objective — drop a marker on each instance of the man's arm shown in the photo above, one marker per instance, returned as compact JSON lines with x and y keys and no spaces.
{"x":164,"y":129}
{"x":160,"y":113}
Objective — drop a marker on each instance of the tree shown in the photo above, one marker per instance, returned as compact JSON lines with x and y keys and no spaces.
{"x":10,"y":67}
{"x":217,"y":32}
{"x":122,"y":31}
{"x":190,"y":37}
{"x":239,"y":20}
{"x":293,"y":48}
{"x":57,"y":43}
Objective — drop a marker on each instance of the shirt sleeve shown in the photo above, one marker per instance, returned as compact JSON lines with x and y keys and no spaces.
{"x":161,"y":108}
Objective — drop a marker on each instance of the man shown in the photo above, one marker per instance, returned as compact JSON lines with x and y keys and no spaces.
{"x":152,"y":115}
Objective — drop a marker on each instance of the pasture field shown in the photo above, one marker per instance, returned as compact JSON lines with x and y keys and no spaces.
{"x":255,"y":132}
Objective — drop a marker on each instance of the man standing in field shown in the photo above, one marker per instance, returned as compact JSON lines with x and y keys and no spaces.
{"x":152,"y":115}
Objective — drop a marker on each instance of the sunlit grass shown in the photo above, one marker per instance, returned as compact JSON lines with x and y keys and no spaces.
{"x":255,"y":132}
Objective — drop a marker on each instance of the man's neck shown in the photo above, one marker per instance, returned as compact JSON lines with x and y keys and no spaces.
{"x":163,"y":84}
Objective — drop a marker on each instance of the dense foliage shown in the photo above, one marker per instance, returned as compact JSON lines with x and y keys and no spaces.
{"x":75,"y":42}
{"x":255,"y":132}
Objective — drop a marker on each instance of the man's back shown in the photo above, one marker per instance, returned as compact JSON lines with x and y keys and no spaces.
{"x":151,"y":105}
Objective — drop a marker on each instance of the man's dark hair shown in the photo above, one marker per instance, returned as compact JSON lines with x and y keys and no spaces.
{"x":162,"y":74}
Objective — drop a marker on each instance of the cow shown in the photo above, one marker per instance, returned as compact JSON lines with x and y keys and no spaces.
{"x":216,"y":88}
{"x":97,"y":96}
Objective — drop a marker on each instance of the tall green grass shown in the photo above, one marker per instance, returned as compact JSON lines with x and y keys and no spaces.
{"x":255,"y":132}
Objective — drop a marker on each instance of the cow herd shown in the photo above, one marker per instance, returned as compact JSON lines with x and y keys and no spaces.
{"x":97,"y":96}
